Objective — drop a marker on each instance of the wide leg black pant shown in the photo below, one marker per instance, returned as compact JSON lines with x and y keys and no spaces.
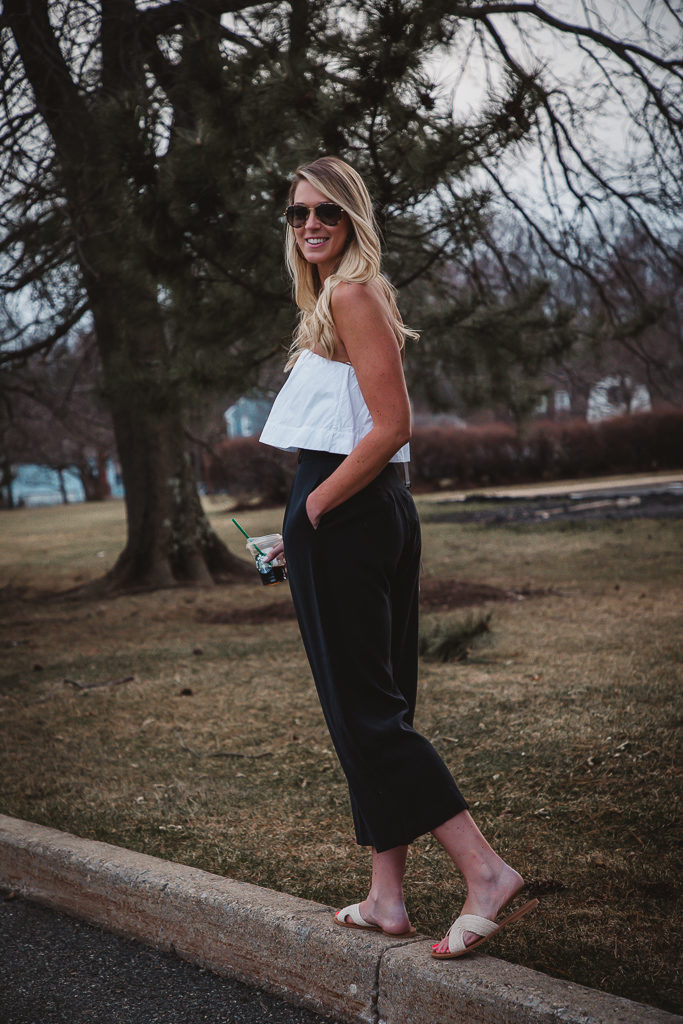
{"x":354,"y":583}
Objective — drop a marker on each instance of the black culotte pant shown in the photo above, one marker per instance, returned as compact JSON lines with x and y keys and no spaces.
{"x":354,"y":584}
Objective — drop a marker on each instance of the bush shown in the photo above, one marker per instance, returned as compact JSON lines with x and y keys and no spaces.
{"x":497,"y":455}
{"x":256,"y":474}
{"x":448,"y":639}
{"x":250,"y":472}
{"x":448,"y":456}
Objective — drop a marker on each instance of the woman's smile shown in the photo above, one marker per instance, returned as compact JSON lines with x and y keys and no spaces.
{"x":318,"y":243}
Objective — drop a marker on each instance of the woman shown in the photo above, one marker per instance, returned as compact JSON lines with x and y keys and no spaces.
{"x":352,"y":541}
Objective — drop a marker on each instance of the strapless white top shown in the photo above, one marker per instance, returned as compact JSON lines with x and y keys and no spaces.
{"x":321,"y":407}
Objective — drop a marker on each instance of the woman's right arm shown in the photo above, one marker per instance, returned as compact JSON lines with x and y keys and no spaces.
{"x":361,"y":319}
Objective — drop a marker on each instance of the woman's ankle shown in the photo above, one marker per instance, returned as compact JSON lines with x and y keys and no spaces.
{"x":497,"y":886}
{"x":386,"y":896}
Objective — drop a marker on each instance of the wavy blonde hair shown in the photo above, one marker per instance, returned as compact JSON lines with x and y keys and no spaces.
{"x":360,"y":260}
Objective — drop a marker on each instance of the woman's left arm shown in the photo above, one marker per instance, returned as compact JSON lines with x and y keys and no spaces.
{"x":362,"y":323}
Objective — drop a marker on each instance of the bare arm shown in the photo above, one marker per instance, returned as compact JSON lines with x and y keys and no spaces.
{"x":363,"y":326}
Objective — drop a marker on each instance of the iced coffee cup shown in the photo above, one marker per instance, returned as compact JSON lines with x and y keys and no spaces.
{"x":270,"y":572}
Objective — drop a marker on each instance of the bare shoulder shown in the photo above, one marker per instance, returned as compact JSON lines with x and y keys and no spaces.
{"x":353,"y":298}
{"x":363,"y":324}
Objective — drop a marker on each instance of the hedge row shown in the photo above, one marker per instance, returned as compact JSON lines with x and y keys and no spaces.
{"x":250,"y":472}
{"x":495,"y":454}
{"x":477,"y":456}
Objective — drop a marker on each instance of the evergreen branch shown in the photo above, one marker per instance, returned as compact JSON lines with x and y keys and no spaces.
{"x":169,"y":78}
{"x":423,"y":267}
{"x":225,"y":33}
{"x":502,"y":264}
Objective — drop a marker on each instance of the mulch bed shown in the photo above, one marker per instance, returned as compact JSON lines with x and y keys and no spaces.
{"x":521,"y":511}
{"x":436,"y":595}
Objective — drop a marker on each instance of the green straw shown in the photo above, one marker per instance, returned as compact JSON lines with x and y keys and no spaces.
{"x":249,"y":538}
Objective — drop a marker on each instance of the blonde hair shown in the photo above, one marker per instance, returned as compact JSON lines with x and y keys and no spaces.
{"x":360,"y":260}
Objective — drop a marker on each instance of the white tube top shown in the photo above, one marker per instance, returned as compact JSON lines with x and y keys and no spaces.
{"x":321,"y":407}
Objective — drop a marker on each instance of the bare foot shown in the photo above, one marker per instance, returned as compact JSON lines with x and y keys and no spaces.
{"x":486,"y":897}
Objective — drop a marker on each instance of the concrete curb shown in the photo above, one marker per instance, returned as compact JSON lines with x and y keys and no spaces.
{"x":287,"y":945}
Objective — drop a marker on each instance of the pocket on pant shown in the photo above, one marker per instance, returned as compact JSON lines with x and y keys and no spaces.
{"x":360,"y":509}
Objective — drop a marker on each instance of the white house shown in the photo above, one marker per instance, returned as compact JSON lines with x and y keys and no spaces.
{"x":616,"y":396}
{"x":247,"y":416}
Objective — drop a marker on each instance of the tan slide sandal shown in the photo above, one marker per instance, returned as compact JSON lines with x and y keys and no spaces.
{"x":480,"y":926}
{"x":358,"y":921}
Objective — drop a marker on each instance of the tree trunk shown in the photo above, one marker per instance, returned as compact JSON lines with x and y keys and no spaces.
{"x":170,"y":540}
{"x":62,"y":487}
{"x":103,"y":488}
{"x":93,"y":476}
{"x":6,"y":482}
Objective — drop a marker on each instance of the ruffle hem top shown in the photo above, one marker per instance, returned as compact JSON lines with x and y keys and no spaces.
{"x":321,"y":407}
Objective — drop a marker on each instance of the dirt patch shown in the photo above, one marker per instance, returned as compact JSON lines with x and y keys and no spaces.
{"x":444,"y":595}
{"x":435,"y":596}
{"x":276,"y":611}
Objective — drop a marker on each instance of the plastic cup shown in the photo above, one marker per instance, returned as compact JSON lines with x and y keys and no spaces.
{"x":270,"y":572}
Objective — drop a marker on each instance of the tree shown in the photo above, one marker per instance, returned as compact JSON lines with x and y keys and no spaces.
{"x":147,"y":152}
{"x":640,"y":348}
{"x":52,"y":414}
{"x":492,"y":328}
{"x":645,"y":346}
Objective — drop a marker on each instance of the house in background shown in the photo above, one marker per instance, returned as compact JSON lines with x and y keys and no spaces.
{"x":561,"y":404}
{"x":616,"y":396}
{"x":247,"y":416}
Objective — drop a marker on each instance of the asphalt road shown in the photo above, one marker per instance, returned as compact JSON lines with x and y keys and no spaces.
{"x":56,"y":970}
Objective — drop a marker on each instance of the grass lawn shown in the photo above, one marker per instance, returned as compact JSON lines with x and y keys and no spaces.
{"x":560,"y":728}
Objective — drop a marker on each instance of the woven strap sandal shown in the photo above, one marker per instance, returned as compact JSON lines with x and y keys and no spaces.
{"x":358,"y":921}
{"x":479,"y":926}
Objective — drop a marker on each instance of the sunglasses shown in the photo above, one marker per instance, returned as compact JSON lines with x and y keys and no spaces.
{"x":327,"y":213}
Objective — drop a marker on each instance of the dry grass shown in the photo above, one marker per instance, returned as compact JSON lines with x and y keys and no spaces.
{"x":560,"y":729}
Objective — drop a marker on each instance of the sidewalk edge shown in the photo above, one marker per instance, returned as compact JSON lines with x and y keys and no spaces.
{"x":288,"y":945}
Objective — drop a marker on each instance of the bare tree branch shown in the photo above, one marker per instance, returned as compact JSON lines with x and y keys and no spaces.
{"x":57,"y":97}
{"x":21,"y":356}
{"x":622,"y":49}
